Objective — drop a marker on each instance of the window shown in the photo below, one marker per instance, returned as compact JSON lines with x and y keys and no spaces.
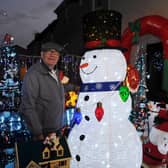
{"x":62,"y":163}
{"x":60,"y":152}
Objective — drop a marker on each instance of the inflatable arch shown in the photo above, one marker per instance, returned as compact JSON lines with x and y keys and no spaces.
{"x":155,"y":25}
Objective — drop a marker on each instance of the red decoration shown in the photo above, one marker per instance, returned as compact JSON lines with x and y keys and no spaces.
{"x":155,"y":25}
{"x":97,"y":43}
{"x":7,"y":38}
{"x":99,"y":112}
{"x":132,"y":79}
{"x":61,"y":75}
{"x":163,"y":113}
{"x":64,"y":79}
{"x":152,"y":156}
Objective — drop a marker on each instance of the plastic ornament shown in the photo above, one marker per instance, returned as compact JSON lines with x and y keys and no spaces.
{"x":124,"y":93}
{"x":77,"y":117}
{"x":64,"y":79}
{"x":132,"y":79}
{"x":99,"y":112}
{"x":71,"y":99}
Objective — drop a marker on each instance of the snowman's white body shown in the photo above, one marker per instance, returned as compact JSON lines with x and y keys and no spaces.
{"x":112,"y":142}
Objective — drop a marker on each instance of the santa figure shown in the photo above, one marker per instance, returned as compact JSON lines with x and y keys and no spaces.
{"x":155,"y":152}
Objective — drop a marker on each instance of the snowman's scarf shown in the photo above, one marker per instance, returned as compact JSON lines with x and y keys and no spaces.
{"x":100,"y":86}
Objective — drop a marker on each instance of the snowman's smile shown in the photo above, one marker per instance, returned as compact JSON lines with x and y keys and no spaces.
{"x":90,"y":72}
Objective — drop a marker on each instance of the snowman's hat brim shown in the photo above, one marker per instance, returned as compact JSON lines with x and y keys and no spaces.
{"x":107,"y":44}
{"x":106,"y":47}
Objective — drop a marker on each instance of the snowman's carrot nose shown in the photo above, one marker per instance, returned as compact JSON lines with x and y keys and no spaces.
{"x":83,"y":65}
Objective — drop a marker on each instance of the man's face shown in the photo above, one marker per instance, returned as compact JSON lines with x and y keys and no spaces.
{"x":50,"y":57}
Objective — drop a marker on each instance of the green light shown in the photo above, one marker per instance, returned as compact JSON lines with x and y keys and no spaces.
{"x":124,"y":93}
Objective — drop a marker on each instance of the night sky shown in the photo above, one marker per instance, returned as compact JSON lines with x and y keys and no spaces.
{"x":23,"y":18}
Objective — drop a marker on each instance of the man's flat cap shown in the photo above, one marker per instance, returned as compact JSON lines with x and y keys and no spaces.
{"x":51,"y":45}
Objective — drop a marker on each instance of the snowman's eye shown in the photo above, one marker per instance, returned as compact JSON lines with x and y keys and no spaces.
{"x":94,"y":56}
{"x":83,"y":58}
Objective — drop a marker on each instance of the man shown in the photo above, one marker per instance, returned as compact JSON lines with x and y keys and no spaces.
{"x":42,"y":102}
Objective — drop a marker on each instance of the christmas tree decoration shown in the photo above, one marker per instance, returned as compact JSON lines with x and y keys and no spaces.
{"x":9,"y":83}
{"x":108,"y":139}
{"x":139,"y":114}
{"x":12,"y":128}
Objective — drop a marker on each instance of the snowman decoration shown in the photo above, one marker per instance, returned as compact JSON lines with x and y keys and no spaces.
{"x":104,"y":138}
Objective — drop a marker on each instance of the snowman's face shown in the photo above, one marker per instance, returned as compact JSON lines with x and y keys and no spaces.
{"x":103,"y":65}
{"x":159,"y":138}
{"x":163,"y":144}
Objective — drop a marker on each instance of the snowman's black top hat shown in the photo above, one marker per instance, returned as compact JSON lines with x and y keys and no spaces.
{"x":102,"y":29}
